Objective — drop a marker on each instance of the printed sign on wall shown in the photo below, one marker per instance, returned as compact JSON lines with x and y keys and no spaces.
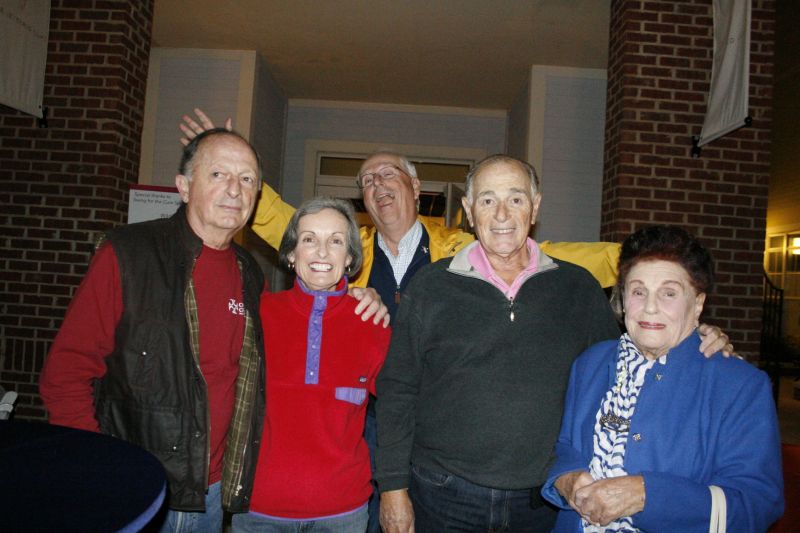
{"x":149,"y":202}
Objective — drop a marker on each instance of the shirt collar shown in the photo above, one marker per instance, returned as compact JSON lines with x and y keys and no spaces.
{"x":341,"y":288}
{"x":407,"y":245}
{"x":480,"y":261}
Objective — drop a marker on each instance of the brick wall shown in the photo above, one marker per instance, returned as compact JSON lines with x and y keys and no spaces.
{"x":660,"y":56}
{"x":63,"y":185}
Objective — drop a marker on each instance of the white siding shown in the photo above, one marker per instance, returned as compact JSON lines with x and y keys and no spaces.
{"x":181,"y":80}
{"x":268,"y":127}
{"x":571,"y":109}
{"x":269,"y":123}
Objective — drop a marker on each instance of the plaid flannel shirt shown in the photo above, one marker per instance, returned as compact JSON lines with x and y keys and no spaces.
{"x":244,"y":403}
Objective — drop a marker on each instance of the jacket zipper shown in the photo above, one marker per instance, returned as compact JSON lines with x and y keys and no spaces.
{"x":208,"y":427}
{"x":237,"y":476}
{"x":196,"y":360}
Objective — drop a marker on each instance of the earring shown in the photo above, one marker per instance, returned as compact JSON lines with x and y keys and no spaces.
{"x":291,"y":265}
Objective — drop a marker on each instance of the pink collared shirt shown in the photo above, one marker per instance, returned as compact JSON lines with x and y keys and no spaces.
{"x":480,"y":261}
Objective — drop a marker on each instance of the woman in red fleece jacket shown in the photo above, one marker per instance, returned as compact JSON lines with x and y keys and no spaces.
{"x":322,"y":361}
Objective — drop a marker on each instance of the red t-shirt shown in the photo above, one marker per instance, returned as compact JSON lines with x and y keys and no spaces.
{"x":220,"y":310}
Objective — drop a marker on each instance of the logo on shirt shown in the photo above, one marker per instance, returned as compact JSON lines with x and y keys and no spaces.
{"x":236,"y":308}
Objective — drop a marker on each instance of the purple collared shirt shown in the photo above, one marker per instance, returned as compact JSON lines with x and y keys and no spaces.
{"x":480,"y":261}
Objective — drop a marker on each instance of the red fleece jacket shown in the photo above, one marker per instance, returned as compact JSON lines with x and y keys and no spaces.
{"x":313,"y":461}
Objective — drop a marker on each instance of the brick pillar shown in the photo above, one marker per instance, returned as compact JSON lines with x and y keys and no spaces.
{"x":659,"y":71}
{"x":63,"y":185}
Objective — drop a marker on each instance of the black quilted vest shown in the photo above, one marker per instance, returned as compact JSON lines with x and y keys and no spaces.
{"x":153,"y":393}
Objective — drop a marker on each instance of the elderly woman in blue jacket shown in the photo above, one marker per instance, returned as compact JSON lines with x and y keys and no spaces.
{"x":656,"y":437}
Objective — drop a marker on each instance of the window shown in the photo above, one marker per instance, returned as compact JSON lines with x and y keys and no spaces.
{"x":782,"y":262}
{"x":774,"y":259}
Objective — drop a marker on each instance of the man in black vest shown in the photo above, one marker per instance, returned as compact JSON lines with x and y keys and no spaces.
{"x":162,"y":344}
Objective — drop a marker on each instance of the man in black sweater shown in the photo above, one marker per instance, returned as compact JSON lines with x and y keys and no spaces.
{"x":472,"y":390}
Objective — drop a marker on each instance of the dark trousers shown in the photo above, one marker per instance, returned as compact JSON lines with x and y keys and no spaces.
{"x":371,"y":436}
{"x":447,"y":503}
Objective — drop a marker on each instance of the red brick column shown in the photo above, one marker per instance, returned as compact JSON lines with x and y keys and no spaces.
{"x":659,"y":71}
{"x":63,"y":185}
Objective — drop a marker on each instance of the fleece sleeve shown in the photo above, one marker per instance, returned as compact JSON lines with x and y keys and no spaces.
{"x":77,"y":356}
{"x":397,"y":391}
{"x":747,"y":467}
{"x":379,"y":349}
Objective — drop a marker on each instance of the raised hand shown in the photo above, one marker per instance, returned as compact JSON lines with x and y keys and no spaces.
{"x":191,"y":128}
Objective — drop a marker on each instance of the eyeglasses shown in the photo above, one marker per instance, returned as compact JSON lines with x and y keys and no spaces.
{"x":387,"y":173}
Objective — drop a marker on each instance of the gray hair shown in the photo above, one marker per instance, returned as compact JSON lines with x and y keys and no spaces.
{"x":405,"y":165}
{"x":501,"y":158}
{"x":191,"y":150}
{"x":315,"y":205}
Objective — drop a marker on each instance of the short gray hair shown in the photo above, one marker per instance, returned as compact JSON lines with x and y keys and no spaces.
{"x":501,"y":158}
{"x":191,"y":150}
{"x":315,"y":205}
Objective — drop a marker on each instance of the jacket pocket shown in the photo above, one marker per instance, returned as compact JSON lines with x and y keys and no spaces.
{"x":156,"y":429}
{"x":430,"y":477}
{"x":352,"y":395}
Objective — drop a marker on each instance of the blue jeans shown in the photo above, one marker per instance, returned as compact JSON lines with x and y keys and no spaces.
{"x":446,"y":503}
{"x":355,"y":522}
{"x":182,"y":522}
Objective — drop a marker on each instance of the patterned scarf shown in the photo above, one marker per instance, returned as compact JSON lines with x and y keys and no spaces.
{"x":612,"y":424}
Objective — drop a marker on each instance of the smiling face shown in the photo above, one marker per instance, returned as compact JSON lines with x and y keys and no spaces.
{"x":320,"y":257}
{"x":392,"y":204}
{"x":501,"y":210}
{"x":661,"y":306}
{"x":222,"y":190}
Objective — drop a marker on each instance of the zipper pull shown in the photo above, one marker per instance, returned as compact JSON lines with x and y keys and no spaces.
{"x":397,"y":295}
{"x":511,"y":309}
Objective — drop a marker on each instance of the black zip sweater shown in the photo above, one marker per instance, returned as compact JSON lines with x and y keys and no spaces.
{"x":467,"y":390}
